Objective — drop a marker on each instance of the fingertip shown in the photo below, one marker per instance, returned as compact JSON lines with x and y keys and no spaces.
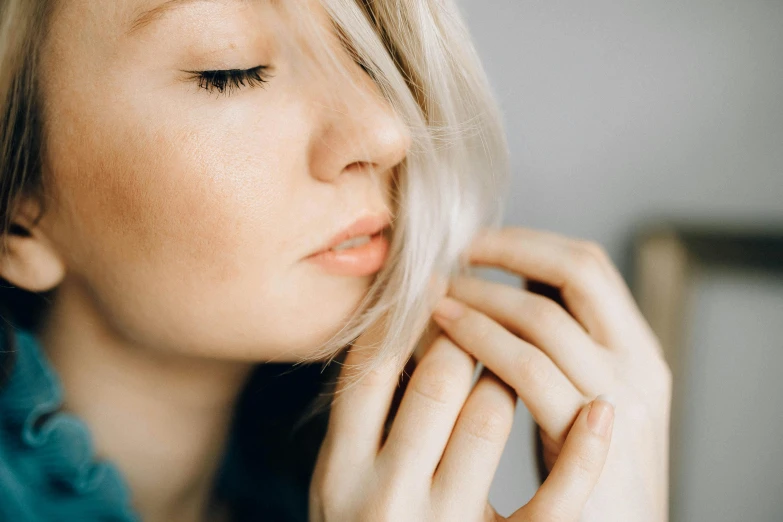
{"x":606,"y":398}
{"x":600,"y":415}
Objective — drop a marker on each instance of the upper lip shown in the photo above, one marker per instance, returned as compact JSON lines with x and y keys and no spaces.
{"x":366,"y":225}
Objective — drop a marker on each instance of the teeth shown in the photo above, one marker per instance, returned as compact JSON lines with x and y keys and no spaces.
{"x":351,"y":243}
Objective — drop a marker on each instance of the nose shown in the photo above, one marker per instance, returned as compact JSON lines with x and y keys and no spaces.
{"x":358,"y":129}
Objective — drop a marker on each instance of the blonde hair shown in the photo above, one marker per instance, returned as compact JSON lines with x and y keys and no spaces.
{"x":21,"y":26}
{"x":451,"y":184}
{"x":453,"y":181}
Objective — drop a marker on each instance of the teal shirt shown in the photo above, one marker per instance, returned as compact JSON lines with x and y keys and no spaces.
{"x":49,"y":471}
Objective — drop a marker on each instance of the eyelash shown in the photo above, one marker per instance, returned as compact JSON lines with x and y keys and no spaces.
{"x":231,"y":79}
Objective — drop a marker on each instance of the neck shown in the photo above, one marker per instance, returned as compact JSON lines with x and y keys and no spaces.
{"x":162,"y":418}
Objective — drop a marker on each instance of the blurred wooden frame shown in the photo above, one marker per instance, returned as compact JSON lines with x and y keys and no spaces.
{"x":667,"y":260}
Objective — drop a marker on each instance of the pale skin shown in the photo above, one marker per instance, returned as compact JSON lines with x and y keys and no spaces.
{"x":175,"y":234}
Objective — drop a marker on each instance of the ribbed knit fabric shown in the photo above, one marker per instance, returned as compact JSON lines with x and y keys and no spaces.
{"x":48,"y":471}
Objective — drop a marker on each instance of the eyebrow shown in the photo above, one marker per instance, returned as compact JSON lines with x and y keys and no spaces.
{"x":147,"y":17}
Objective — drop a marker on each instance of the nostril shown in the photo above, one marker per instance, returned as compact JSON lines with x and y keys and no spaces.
{"x":361,"y":165}
{"x":18,"y":230}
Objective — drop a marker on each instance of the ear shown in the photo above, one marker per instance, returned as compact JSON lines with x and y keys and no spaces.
{"x":30,"y":261}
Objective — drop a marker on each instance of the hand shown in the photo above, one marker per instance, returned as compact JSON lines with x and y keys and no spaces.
{"x":441,"y":452}
{"x":556,"y":360}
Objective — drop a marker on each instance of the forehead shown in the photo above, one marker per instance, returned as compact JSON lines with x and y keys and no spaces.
{"x":105,"y":27}
{"x":142,"y":13}
{"x":186,"y":34}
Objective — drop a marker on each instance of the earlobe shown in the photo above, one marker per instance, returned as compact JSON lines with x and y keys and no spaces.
{"x":30,"y":261}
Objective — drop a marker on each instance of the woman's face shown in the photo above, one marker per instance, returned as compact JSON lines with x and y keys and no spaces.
{"x":183,"y":215}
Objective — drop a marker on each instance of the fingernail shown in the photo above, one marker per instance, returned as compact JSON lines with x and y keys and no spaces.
{"x":606,"y":397}
{"x":599,"y":418}
{"x":449,"y":309}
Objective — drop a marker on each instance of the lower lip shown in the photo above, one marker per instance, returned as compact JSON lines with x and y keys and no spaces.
{"x":359,"y":261}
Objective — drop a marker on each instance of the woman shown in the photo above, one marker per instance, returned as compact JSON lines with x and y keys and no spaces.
{"x":199,"y":196}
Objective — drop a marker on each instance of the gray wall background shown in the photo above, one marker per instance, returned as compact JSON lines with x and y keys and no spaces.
{"x":732,"y":409}
{"x":625,"y":112}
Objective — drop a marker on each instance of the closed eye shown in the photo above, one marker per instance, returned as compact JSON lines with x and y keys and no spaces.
{"x":228,"y":80}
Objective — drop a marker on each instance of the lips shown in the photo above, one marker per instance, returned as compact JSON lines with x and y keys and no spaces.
{"x":367,"y":225}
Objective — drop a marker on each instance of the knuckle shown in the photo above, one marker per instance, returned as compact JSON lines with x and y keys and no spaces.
{"x":596,"y":250}
{"x":530,"y":368}
{"x":588,"y":258}
{"x":546,"y":313}
{"x":439,"y":379}
{"x":489,"y":423}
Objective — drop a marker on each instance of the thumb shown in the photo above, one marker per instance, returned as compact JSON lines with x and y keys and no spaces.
{"x":563,"y":495}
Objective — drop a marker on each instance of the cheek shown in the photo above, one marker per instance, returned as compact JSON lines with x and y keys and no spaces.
{"x":185,"y":224}
{"x":191,"y":236}
{"x":169,"y":200}
{"x":178,"y":207}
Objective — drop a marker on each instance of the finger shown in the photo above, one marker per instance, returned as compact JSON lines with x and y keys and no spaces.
{"x":551,"y":397}
{"x":360,"y":406}
{"x":425,"y":419}
{"x":592,"y":288}
{"x":473,"y":453}
{"x":543,"y":323}
{"x":563,"y":495}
